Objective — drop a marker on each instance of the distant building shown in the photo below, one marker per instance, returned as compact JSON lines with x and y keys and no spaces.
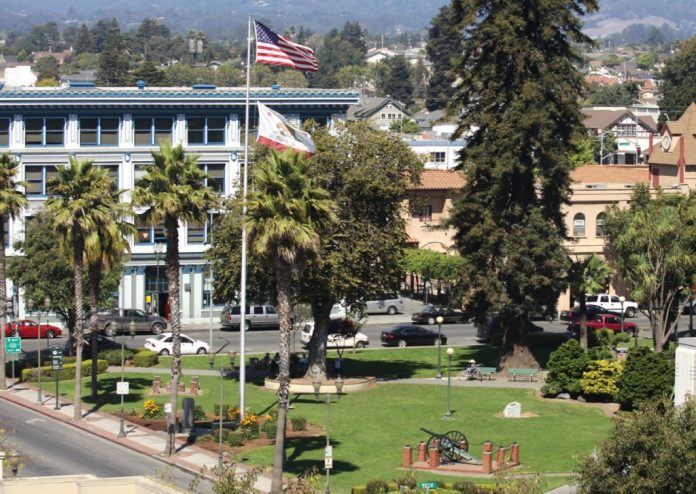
{"x":438,"y":151}
{"x":631,"y":131}
{"x":19,"y":76}
{"x":380,"y":113}
{"x":375,"y":55}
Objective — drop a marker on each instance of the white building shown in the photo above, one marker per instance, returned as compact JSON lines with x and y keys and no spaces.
{"x":685,"y":371}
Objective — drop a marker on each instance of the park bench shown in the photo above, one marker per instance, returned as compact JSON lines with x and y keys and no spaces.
{"x":528,"y":373}
{"x":486,"y":371}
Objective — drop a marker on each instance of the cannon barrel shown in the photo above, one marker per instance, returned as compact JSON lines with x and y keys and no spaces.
{"x":434,"y":434}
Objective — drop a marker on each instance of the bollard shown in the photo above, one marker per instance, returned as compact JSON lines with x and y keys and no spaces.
{"x":487,"y":447}
{"x":194,"y":385}
{"x":422,"y":452}
{"x":515,"y":454}
{"x":434,"y":455}
{"x":408,"y":456}
{"x":487,"y":462}
{"x":500,"y":458}
{"x":156,"y":385}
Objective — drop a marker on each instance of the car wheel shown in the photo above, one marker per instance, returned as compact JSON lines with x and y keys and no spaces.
{"x":164,"y":352}
{"x":201,"y":351}
{"x":431,"y":320}
{"x":50,"y":334}
{"x":391,"y":310}
{"x":402,"y":343}
{"x":157,"y":328}
{"x":247,"y":326}
{"x":630,"y":312}
{"x":360,"y":344}
{"x":108,"y":331}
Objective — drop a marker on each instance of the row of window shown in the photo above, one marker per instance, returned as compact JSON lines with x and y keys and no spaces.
{"x":147,"y":234}
{"x":104,"y":131}
{"x":579,"y":225}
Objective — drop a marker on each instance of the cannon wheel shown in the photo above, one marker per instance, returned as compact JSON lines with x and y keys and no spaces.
{"x":430,"y":443}
{"x":454,"y":440}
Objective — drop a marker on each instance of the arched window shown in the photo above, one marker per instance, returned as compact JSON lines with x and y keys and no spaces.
{"x":600,"y":225}
{"x":579,"y":225}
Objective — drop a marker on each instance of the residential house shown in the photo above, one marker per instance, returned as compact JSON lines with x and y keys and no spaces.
{"x":375,"y":55}
{"x":381,"y":113}
{"x":632,"y":132}
{"x":438,"y":150}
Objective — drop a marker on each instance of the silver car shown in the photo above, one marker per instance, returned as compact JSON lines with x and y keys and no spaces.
{"x":386,"y":303}
{"x":256,"y":316}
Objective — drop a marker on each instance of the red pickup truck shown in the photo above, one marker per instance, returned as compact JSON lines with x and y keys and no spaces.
{"x":609,"y":321}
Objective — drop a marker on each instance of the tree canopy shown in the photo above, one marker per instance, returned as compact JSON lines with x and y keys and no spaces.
{"x":444,"y":44}
{"x":678,"y":81}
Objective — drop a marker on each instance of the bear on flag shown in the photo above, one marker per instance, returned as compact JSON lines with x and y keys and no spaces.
{"x":275,"y":132}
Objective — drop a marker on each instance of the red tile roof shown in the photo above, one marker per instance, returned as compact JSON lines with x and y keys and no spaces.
{"x":610,"y":174}
{"x":440,"y":180}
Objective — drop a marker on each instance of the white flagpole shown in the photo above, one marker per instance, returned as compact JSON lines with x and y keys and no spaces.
{"x":242,"y":307}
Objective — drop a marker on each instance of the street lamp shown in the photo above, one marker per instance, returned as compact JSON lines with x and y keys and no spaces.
{"x":158,"y":249}
{"x":439,"y":320}
{"x":30,"y":308}
{"x":328,"y":454}
{"x":622,"y":299}
{"x":211,"y":362}
{"x":131,"y":330}
{"x":448,"y":413}
{"x":210,"y":292}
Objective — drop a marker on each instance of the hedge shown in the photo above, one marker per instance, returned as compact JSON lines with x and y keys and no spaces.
{"x":68,"y":371}
{"x":145,"y":358}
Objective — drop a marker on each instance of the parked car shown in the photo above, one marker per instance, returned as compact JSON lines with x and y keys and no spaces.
{"x":612,"y":303}
{"x":573,"y":315}
{"x":26,"y":328}
{"x":256,"y":316}
{"x":118,"y":322}
{"x":429,"y":314}
{"x":163,"y":344}
{"x":407,"y":334}
{"x":609,"y":321}
{"x":360,"y":340}
{"x":103,"y":343}
{"x":386,"y":303}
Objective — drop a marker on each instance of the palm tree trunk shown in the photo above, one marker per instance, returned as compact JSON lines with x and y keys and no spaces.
{"x":94,"y":279}
{"x":284,"y":287}
{"x":78,"y":247}
{"x":583,"y":323}
{"x":3,"y":304}
{"x":317,"y":350}
{"x":172,"y":268}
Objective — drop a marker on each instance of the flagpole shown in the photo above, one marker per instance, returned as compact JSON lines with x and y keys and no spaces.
{"x":242,"y":307}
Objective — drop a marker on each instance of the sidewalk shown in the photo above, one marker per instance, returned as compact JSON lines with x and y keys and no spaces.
{"x":141,"y":439}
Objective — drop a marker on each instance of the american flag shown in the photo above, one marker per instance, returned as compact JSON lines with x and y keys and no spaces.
{"x":273,"y":49}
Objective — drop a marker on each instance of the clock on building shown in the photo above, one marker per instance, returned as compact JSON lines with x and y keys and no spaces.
{"x":666,"y":142}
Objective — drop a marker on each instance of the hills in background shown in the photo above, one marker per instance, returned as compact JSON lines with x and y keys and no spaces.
{"x":227,"y":18}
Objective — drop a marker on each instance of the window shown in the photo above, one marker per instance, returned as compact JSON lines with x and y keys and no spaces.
{"x":97,"y":131}
{"x":216,"y":176}
{"x":437,"y":157}
{"x":424,"y":214}
{"x":200,"y":234}
{"x":600,"y":225}
{"x":4,"y":132}
{"x":258,"y":311}
{"x":579,"y":225}
{"x":44,"y":131}
{"x":150,"y":131}
{"x":37,"y":177}
{"x":206,"y":130}
{"x":148,"y":234}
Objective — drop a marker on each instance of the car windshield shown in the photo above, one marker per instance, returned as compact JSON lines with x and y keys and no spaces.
{"x":425,"y":308}
{"x":159,"y":337}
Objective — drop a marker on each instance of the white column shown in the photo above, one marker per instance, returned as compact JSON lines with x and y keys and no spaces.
{"x":126,"y":136}
{"x":72,"y":134}
{"x":233,"y":135}
{"x":180,"y":135}
{"x":17,"y":132}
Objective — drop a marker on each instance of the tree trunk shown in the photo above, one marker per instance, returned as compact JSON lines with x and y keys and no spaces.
{"x":3,"y":304}
{"x":284,"y":287}
{"x":78,"y":247}
{"x":172,"y":267}
{"x":515,"y":351}
{"x":583,"y":323}
{"x":321,"y":312}
{"x":94,"y":274}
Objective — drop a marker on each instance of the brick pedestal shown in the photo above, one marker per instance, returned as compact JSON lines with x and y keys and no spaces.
{"x":408,"y":456}
{"x":422,"y":452}
{"x":434,"y":455}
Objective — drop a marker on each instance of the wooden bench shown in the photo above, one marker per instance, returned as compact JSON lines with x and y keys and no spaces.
{"x":487,"y":372}
{"x":528,"y":373}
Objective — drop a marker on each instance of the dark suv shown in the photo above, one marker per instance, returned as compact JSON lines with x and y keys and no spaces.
{"x":118,"y":321}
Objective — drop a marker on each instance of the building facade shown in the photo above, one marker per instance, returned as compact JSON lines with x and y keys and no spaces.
{"x":119,"y":128}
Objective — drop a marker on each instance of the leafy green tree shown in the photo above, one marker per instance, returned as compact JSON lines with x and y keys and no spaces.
{"x":351,"y":76}
{"x":334,"y":53}
{"x":444,"y":45}
{"x":397,"y":83}
{"x":84,"y":42}
{"x":646,"y":60}
{"x":612,"y":60}
{"x":113,"y":63}
{"x":101,"y":31}
{"x":585,"y":153}
{"x":149,"y":73}
{"x":589,"y":275}
{"x":47,"y":68}
{"x":287,"y":215}
{"x":640,"y":453}
{"x":652,"y":246}
{"x":624,"y":94}
{"x":405,"y":126}
{"x":428,"y":264}
{"x":678,"y":80}
{"x":75,"y":199}
{"x":647,"y":376}
{"x":565,"y":368}
{"x":12,"y":200}
{"x":173,"y":189}
{"x":356,"y":35}
{"x":509,"y":222}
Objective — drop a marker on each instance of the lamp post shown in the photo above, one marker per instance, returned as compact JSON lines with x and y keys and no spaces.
{"x":439,"y":320}
{"x":211,"y":362}
{"x":158,"y":249}
{"x":448,"y":412}
{"x":622,"y":299}
{"x":328,"y":453}
{"x":131,"y":330}
{"x":210,"y":292}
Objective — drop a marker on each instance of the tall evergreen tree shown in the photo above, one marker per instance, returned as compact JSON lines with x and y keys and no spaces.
{"x":678,"y":78}
{"x":335,"y":53}
{"x":518,"y":96}
{"x":84,"y":42}
{"x":397,"y":83}
{"x":444,"y":44}
{"x":113,"y":63}
{"x":356,"y":35}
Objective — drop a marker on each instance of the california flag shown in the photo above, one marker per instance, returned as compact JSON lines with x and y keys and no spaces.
{"x":275,"y":132}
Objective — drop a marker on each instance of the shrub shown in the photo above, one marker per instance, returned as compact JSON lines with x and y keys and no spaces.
{"x":67,"y":373}
{"x":225,"y":409}
{"x":376,"y":487}
{"x":199,"y":413}
{"x":232,"y":413}
{"x":234,"y":438}
{"x":270,"y":428}
{"x":114,"y":356}
{"x":153,"y":410}
{"x":646,"y":375}
{"x":466,"y":487}
{"x":205,"y":437}
{"x":599,"y":381}
{"x":599,"y":353}
{"x":599,"y":337}
{"x":622,"y":338}
{"x":408,"y":481}
{"x":565,"y":367}
{"x":145,"y":358}
{"x":298,"y":423}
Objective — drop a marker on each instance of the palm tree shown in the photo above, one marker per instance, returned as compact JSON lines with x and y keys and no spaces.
{"x":286,"y":216}
{"x":587,"y":276}
{"x":12,"y":201}
{"x":104,"y":249}
{"x":76,"y":199}
{"x":172,"y":189}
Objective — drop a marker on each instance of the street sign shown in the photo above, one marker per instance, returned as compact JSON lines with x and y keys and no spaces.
{"x":427,"y":485}
{"x":122,"y":388}
{"x":13,"y":344}
{"x":167,"y":408}
{"x":328,"y":457}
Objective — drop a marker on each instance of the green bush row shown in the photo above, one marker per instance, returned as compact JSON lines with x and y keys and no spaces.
{"x":145,"y":358}
{"x":458,"y":487}
{"x":68,"y":371}
{"x":114,"y":356}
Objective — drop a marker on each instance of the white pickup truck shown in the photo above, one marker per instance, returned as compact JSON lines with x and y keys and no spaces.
{"x":612,"y":303}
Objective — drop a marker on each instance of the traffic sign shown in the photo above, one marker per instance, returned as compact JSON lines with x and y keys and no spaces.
{"x":122,"y":388}
{"x":13,"y":344}
{"x":328,"y":457}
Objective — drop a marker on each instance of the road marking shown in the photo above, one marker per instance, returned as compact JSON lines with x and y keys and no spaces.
{"x":35,"y":421}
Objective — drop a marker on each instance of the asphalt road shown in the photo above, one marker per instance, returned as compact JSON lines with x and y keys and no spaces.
{"x":50,"y":448}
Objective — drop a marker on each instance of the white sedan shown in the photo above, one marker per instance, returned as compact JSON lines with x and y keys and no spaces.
{"x":360,"y":340}
{"x":162,"y":344}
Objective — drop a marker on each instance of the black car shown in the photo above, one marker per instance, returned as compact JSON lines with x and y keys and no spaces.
{"x":573,"y":315}
{"x":103,"y":343}
{"x":406,"y":334}
{"x":429,"y":315}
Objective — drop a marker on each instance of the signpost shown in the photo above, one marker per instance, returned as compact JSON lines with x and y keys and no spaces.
{"x":427,"y":486}
{"x":56,"y":367}
{"x":13,"y":344}
{"x":328,"y":457}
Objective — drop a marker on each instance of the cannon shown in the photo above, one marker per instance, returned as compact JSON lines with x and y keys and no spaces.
{"x":450,"y":446}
